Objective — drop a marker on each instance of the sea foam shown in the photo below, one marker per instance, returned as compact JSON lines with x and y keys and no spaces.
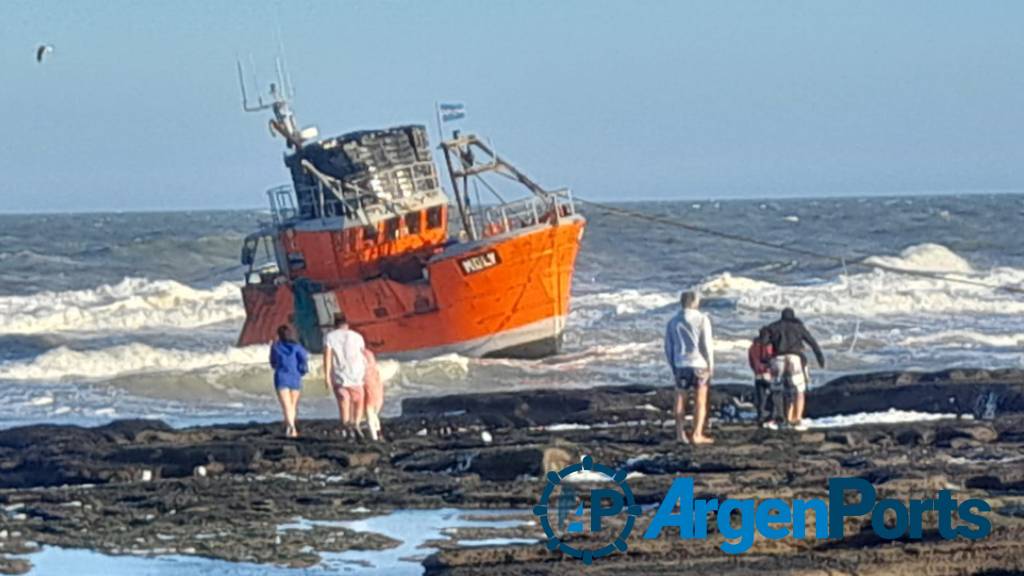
{"x":132,"y":304}
{"x":873,"y":293}
{"x":64,"y":363}
{"x":925,"y":258}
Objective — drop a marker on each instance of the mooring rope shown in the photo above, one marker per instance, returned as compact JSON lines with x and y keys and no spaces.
{"x":842,"y":261}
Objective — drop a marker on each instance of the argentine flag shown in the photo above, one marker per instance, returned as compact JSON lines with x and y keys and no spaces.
{"x":452,"y":111}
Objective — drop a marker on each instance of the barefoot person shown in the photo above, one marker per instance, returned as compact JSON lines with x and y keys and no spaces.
{"x":290,"y":362}
{"x":689,"y":349}
{"x":374,"y":391}
{"x":788,"y":336}
{"x":344,"y":371}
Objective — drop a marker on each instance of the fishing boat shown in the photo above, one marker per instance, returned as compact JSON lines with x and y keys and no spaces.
{"x":363,"y":230}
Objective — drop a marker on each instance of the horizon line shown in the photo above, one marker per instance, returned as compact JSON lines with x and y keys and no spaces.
{"x":740,"y":198}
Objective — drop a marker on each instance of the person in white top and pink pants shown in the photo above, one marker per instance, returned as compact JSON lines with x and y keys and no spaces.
{"x":344,"y":373}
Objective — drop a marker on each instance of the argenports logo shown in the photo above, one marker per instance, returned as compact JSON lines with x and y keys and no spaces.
{"x":570,"y":510}
{"x":741,"y":521}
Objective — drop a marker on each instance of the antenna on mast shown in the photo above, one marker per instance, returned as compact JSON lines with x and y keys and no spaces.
{"x":283,"y":122}
{"x":241,"y":84}
{"x":245,"y":95}
{"x":255,"y":80}
{"x":287,"y":75}
{"x":283,"y":74}
{"x":281,"y":78}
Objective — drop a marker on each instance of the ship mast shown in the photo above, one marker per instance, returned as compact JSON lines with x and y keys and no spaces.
{"x":283,"y":122}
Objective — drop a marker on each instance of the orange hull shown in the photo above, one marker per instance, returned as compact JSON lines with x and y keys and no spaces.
{"x":503,"y":295}
{"x":267,"y":306}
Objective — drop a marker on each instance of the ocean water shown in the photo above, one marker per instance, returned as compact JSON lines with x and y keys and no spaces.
{"x":107,"y":316}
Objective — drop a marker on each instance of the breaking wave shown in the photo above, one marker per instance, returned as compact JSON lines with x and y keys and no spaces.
{"x":891,"y":416}
{"x":132,"y":304}
{"x":26,"y":258}
{"x":134,"y":336}
{"x":625,"y":301}
{"x":64,"y":363}
{"x":225,"y":371}
{"x":965,"y":337}
{"x":861,"y":294}
{"x":925,"y":258}
{"x":884,"y":293}
{"x":867,"y":318}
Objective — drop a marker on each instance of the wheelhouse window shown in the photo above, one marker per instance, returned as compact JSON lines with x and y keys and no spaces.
{"x":412,"y":222}
{"x":434,"y":217}
{"x":391,"y":227}
{"x":260,"y":257}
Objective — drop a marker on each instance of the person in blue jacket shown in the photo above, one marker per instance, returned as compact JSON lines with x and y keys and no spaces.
{"x":290,"y":362}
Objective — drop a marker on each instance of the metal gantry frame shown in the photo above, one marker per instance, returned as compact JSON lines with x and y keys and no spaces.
{"x":460,"y":155}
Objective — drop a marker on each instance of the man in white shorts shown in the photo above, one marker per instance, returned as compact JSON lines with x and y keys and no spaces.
{"x":789,"y":365}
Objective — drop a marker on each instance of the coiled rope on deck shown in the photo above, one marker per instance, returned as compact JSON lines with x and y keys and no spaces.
{"x":859,"y":261}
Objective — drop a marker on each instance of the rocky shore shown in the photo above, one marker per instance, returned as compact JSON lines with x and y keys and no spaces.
{"x":229,"y":492}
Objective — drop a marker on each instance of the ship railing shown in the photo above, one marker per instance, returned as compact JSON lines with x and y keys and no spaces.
{"x":524,"y":213}
{"x":563,"y":202}
{"x":287,"y":206}
{"x":282,"y":204}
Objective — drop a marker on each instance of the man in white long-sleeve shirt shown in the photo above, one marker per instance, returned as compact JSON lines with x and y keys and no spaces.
{"x":689,"y":349}
{"x":344,"y":372}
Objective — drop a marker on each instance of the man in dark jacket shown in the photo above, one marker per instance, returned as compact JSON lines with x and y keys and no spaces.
{"x":788,"y":336}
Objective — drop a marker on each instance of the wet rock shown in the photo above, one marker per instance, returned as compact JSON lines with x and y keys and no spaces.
{"x":214,"y":468}
{"x":14,"y":565}
{"x":999,"y":480}
{"x":1013,"y":510}
{"x":127,"y":431}
{"x":554,"y":459}
{"x":506,"y":465}
{"x":962,"y":444}
{"x":179,"y":461}
{"x":812,"y":437}
{"x":82,"y":488}
{"x":843,"y":438}
{"x":537,"y":408}
{"x":363,"y":459}
{"x":981,"y":434}
{"x":914,"y":437}
{"x":946,"y":391}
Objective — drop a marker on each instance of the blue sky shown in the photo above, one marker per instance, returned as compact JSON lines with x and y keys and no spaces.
{"x":138,"y":106}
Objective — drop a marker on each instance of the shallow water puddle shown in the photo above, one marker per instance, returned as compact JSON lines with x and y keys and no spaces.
{"x":414,"y":528}
{"x":59,"y":562}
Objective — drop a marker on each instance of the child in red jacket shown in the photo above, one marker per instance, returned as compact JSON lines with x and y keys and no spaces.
{"x":760,"y":357}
